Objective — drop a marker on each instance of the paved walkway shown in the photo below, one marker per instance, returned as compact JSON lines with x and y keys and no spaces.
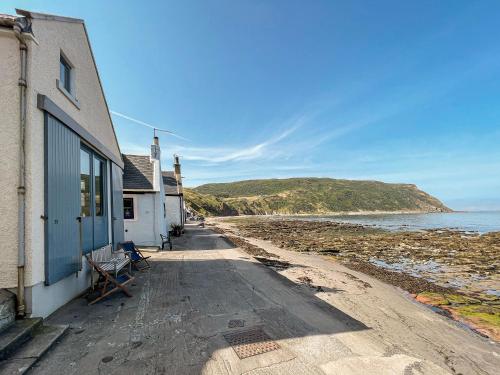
{"x":181,"y":309}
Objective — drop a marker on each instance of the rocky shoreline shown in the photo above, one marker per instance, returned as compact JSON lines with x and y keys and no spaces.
{"x":345,"y":213}
{"x":454,"y":272}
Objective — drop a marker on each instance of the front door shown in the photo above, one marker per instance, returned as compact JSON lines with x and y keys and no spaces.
{"x":94,"y":210}
{"x":86,"y":194}
{"x":100,"y":203}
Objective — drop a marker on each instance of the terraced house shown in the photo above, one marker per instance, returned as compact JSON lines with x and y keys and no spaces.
{"x":145,"y":213}
{"x":174,"y":196}
{"x":60,"y":165}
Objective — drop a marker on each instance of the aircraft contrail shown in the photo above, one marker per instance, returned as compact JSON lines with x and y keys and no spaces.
{"x":146,"y":124}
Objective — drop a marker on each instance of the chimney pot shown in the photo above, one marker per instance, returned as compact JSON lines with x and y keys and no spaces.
{"x":155,"y":149}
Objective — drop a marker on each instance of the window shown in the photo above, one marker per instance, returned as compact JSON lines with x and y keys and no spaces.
{"x":99,"y":186}
{"x":65,"y":74}
{"x":128,"y":208}
{"x":84,"y":183}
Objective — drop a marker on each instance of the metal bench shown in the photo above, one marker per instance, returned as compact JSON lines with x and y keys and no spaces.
{"x":108,"y":264}
{"x":166,"y":239}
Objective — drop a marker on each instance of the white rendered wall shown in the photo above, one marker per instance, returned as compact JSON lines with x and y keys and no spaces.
{"x":160,"y":218}
{"x":162,"y":223}
{"x":141,"y":229}
{"x":9,"y":156}
{"x":43,"y":300}
{"x":173,"y":209}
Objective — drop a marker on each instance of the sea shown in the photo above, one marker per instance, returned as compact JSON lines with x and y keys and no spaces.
{"x":472,"y":221}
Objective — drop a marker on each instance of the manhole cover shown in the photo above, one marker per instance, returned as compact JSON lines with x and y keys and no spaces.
{"x":249,"y":343}
{"x":233,"y":323}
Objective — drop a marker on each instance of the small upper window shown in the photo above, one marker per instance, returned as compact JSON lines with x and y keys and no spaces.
{"x":65,"y":74}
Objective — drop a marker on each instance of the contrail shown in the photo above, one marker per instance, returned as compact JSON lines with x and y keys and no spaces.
{"x":146,"y":124}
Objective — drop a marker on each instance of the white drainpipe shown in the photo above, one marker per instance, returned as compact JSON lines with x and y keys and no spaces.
{"x":21,"y":189}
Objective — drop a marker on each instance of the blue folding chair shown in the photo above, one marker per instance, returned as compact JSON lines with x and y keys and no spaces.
{"x":136,"y":257}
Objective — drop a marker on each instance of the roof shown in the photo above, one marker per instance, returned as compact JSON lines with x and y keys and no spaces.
{"x":138,"y":173}
{"x":170,"y":182}
{"x":47,"y":17}
{"x":7,"y":19}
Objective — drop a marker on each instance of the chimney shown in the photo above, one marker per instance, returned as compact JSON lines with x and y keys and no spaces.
{"x":177,"y":171}
{"x":155,"y":149}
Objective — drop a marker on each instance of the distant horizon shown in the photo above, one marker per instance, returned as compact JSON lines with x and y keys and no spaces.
{"x":389,"y":91}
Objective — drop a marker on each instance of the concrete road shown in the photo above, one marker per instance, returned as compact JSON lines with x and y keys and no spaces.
{"x":204,"y":290}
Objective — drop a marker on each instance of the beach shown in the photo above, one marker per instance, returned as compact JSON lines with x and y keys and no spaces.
{"x":453,"y":271}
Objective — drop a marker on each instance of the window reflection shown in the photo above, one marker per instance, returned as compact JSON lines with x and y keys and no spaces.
{"x":84,"y":183}
{"x":98,"y":183}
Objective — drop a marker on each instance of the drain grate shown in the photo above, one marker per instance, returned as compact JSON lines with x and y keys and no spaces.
{"x":251,"y":342}
{"x":233,"y":323}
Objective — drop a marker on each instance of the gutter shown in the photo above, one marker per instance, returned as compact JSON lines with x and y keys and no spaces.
{"x":20,"y":26}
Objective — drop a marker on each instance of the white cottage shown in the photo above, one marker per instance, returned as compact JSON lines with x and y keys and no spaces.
{"x":144,"y":208}
{"x":60,"y":165}
{"x":174,"y":196}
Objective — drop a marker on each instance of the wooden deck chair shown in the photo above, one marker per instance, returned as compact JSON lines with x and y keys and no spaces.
{"x":108,"y":264}
{"x":135,"y":255}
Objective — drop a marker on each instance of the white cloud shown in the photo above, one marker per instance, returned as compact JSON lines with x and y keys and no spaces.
{"x":265,"y":149}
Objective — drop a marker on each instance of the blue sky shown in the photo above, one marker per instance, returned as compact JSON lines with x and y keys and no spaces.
{"x":397,"y":91}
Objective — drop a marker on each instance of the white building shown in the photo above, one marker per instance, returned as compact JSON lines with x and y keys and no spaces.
{"x":174,"y":199}
{"x":174,"y":196}
{"x":144,"y":198}
{"x":60,"y":165}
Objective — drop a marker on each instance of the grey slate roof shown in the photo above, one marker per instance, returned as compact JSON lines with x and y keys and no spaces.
{"x":169,"y":182}
{"x":138,"y":173}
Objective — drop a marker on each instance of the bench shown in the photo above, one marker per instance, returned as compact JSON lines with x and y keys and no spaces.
{"x":109,"y":260}
{"x":108,"y":264}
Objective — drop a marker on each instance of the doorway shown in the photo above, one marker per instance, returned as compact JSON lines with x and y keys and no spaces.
{"x":93,"y":200}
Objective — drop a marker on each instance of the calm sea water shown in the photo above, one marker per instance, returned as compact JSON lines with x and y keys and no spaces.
{"x":482,"y":222}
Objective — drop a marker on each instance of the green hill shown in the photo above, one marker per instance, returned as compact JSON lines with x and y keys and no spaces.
{"x":308,"y":196}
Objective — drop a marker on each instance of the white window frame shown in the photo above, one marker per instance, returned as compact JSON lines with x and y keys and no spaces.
{"x":136,"y":212}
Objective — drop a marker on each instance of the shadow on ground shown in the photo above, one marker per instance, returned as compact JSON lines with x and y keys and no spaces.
{"x":182,"y":307}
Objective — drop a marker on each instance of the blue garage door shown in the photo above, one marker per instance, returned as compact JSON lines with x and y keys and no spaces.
{"x":62,"y":205}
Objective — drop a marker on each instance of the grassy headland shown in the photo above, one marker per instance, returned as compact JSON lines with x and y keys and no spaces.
{"x":308,"y":196}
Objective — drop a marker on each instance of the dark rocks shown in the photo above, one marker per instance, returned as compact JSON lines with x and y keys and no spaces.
{"x":448,"y":258}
